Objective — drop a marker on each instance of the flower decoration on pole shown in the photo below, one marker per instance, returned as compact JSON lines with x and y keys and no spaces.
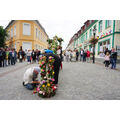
{"x":42,"y":63}
{"x":46,"y":88}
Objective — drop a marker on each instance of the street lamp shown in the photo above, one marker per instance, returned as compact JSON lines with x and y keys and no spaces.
{"x":94,"y":32}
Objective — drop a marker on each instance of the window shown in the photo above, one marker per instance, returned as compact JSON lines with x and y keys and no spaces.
{"x":26,"y":29}
{"x":86,"y":35}
{"x":14,"y":30}
{"x":100,"y":26}
{"x":90,"y":34}
{"x":11,"y":32}
{"x":36,"y":32}
{"x":39,"y":35}
{"x":94,"y":28}
{"x":43,"y":38}
{"x":108,"y":23}
{"x":8,"y":35}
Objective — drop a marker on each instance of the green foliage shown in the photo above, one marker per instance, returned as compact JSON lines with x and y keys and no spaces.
{"x":3,"y":35}
{"x":55,"y":43}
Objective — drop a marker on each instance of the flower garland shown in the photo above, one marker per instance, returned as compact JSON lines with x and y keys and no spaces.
{"x":46,"y":88}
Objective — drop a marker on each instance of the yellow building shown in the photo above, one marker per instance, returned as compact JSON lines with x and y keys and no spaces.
{"x":26,"y":33}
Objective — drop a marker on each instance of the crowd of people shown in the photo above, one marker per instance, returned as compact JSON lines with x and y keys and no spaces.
{"x":7,"y":57}
{"x":74,"y":55}
{"x":10,"y":56}
{"x":110,"y":56}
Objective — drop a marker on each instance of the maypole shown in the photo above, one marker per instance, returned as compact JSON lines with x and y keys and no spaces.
{"x":46,"y":88}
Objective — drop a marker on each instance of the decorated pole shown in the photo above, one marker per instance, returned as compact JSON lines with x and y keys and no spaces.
{"x":46,"y":88}
{"x":93,"y":41}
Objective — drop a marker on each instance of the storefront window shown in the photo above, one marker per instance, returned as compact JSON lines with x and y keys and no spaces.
{"x":108,"y":45}
{"x":101,"y":47}
{"x":104,"y":45}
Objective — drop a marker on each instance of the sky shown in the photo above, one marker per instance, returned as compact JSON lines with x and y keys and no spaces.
{"x":62,"y":28}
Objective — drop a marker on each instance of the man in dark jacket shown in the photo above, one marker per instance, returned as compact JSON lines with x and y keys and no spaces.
{"x":77,"y":55}
{"x":84,"y":56}
{"x":37,"y":54}
{"x":81,"y":54}
{"x":13,"y":59}
{"x":56,"y":65}
{"x":20,"y":55}
{"x":4,"y":58}
{"x":113,"y":58}
{"x":33,"y":55}
{"x":107,"y":51}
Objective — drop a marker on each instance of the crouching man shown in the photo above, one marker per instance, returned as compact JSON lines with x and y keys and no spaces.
{"x":31,"y":78}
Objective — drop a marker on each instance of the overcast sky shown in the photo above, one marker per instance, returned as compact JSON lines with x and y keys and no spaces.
{"x":59,"y":17}
{"x":61,"y":28}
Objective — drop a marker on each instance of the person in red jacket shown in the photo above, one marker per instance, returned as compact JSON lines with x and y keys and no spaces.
{"x":88,"y":55}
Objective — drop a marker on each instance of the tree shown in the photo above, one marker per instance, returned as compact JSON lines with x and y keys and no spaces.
{"x":3,"y":35}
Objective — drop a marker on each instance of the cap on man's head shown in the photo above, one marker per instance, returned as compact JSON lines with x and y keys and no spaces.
{"x":37,"y":69}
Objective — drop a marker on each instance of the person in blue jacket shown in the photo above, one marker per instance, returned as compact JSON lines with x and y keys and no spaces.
{"x":48,"y":51}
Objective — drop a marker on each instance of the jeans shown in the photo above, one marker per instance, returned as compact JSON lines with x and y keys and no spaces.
{"x":88,"y":59}
{"x":113,"y":62}
{"x":81,"y":57}
{"x":4,"y":62}
{"x":76,"y":58}
{"x":0,"y":61}
{"x":84,"y":58}
{"x":28,"y":59}
{"x":13,"y":61}
{"x":29,"y":86}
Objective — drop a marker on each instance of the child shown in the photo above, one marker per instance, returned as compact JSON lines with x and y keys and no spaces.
{"x":107,"y":59}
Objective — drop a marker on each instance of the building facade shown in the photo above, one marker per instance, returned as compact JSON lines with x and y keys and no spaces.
{"x":26,"y":33}
{"x":107,"y":33}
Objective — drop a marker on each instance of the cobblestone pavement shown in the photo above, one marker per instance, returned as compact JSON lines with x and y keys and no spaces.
{"x":77,"y":81}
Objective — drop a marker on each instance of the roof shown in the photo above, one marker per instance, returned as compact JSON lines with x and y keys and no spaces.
{"x":40,"y":26}
{"x":12,"y":21}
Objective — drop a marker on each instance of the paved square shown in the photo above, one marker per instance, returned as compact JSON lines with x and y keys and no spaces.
{"x":77,"y":81}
